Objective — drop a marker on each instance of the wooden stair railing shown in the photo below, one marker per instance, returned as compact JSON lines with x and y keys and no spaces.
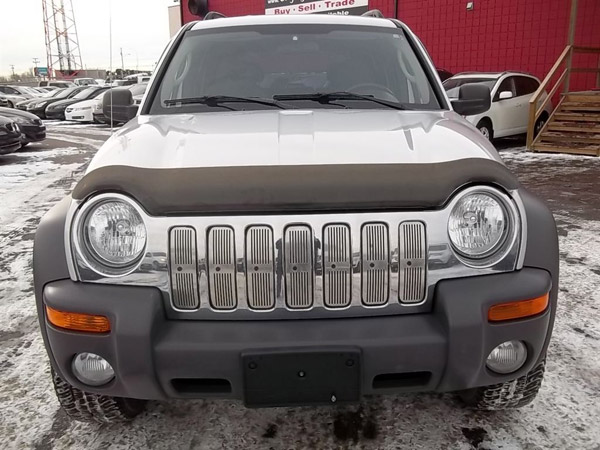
{"x":565,"y":58}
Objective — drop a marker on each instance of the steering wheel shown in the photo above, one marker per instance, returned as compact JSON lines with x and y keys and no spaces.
{"x":387,"y":92}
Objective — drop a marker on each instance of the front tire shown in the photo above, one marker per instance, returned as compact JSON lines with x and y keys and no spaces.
{"x":508,"y":395}
{"x":539,"y":125}
{"x":485,"y":127}
{"x":85,"y":407}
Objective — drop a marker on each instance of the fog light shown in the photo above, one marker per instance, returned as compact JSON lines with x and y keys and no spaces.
{"x":507,"y":357}
{"x":92,"y":369}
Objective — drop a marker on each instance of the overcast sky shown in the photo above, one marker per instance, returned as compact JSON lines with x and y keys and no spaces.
{"x":140,"y":27}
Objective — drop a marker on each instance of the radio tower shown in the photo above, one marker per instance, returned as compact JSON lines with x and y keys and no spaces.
{"x":62,"y":43}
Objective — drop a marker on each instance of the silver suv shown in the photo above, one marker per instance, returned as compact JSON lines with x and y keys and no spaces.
{"x":331,"y":228}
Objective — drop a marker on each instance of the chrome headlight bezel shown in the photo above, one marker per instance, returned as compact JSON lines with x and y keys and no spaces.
{"x":511,"y":232}
{"x":83,"y":247}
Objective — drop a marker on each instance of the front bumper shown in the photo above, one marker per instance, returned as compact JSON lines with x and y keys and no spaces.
{"x":33,"y":133}
{"x":10,"y":144}
{"x":79,"y":116}
{"x":55,"y":115}
{"x":444,"y":350}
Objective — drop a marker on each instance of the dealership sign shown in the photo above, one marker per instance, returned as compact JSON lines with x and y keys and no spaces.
{"x":343,"y":7}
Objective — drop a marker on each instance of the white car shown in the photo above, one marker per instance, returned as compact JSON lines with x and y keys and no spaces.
{"x":509,"y":111}
{"x":84,"y":111}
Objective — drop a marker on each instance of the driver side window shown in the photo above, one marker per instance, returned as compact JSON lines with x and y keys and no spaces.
{"x":507,"y":84}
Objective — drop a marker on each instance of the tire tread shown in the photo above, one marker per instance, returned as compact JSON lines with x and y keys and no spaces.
{"x":86,"y":407}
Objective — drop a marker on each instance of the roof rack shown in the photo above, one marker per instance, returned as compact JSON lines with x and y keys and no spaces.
{"x":214,"y":15}
{"x":374,"y":13}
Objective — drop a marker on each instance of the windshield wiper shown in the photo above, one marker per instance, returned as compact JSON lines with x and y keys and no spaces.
{"x":218,"y":100}
{"x":328,"y":97}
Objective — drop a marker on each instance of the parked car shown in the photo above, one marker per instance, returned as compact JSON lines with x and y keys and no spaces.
{"x":510,"y":94}
{"x":50,"y":94}
{"x":84,"y":111}
{"x":268,"y":152}
{"x":84,"y":81}
{"x":137,"y":92}
{"x":4,"y":101}
{"x":57,"y":110}
{"x":10,"y":136}
{"x":16,"y":94}
{"x":39,"y":107}
{"x":32,"y":128}
{"x":58,"y":84}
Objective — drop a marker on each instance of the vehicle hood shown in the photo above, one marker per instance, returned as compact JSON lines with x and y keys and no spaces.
{"x":84,"y":103}
{"x":11,"y":113}
{"x":66,"y":102}
{"x":293,"y":137}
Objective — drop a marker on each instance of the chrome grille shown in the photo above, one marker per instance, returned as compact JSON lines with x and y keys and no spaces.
{"x":298,"y":266}
{"x":337,"y":266}
{"x":260,"y":268}
{"x":375,"y":264}
{"x":413,"y":256}
{"x":183,"y":267}
{"x":221,"y":268}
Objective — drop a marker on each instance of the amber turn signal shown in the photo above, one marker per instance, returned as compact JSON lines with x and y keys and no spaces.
{"x":519,"y":309}
{"x":77,"y":321}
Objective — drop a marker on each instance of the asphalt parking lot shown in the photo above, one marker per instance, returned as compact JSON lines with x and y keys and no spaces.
{"x":563,"y":417}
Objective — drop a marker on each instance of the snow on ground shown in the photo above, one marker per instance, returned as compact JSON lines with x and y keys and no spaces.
{"x":565,"y":415}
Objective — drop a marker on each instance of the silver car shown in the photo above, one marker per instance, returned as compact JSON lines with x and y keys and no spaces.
{"x":295,"y":214}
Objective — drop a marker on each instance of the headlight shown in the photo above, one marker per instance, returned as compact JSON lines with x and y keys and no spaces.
{"x":478,"y":225}
{"x":113,"y":235}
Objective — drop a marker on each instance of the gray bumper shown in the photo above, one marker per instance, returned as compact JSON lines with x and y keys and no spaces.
{"x":446,"y":347}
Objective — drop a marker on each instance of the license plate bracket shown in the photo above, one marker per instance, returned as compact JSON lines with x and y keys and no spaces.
{"x":301,"y":377}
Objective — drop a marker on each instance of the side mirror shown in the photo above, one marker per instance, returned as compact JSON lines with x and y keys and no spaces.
{"x":472,"y":99}
{"x":198,"y":7}
{"x":505,"y":95}
{"x":118,"y":105}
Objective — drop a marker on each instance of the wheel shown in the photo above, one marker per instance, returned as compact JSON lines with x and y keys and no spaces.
{"x":508,"y":395}
{"x":485,"y":127}
{"x":86,"y":407}
{"x":540,"y":124}
{"x":11,"y":104}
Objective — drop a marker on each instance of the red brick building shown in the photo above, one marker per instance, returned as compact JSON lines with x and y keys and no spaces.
{"x":480,"y":35}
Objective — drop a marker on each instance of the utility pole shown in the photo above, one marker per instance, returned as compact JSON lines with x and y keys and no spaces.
{"x":12,"y":67}
{"x":122,"y":64}
{"x":36,"y":62}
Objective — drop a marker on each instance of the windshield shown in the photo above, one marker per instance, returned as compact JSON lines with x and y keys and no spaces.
{"x":453,"y":85}
{"x":65,"y":93}
{"x":85,"y":93}
{"x":295,"y":62}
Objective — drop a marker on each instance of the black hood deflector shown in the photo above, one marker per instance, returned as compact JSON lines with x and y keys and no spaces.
{"x":294,"y":189}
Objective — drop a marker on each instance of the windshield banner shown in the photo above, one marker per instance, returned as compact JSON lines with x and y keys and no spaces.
{"x":342,"y":7}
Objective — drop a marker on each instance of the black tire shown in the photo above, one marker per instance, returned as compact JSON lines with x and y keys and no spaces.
{"x":539,"y":124}
{"x":86,"y":407}
{"x":10,"y":104}
{"x":485,"y":127}
{"x":508,"y":395}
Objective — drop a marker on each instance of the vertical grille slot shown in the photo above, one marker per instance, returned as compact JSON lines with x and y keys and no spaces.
{"x":221,"y":268}
{"x":413,"y":257}
{"x":298,"y":266}
{"x":375,"y":264}
{"x":260,"y":268}
{"x":183,"y":266}
{"x":337,"y":266}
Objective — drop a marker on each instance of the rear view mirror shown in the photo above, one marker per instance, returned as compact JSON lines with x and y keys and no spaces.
{"x":472,"y":99}
{"x":118,"y":105}
{"x":505,"y":95}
